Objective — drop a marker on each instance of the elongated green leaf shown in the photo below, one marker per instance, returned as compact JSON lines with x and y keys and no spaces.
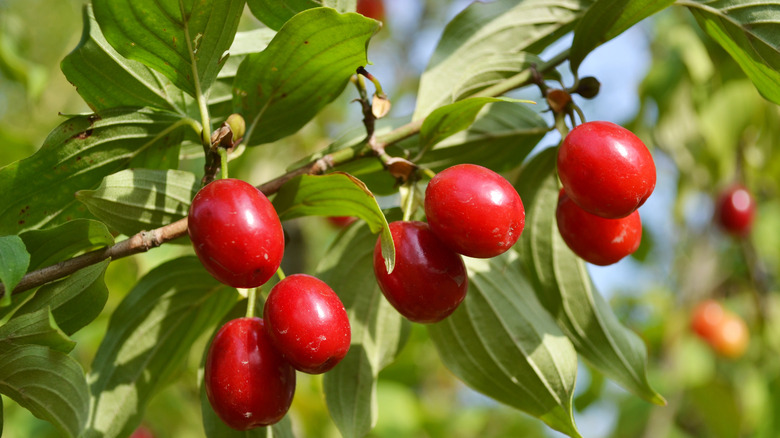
{"x":74,"y":301}
{"x":501,"y":342}
{"x":106,"y":79}
{"x":605,"y":20}
{"x":563,"y":286}
{"x":56,"y":244}
{"x":378,"y":332}
{"x":36,"y":328}
{"x":50,"y":384}
{"x":141,"y":199}
{"x":500,"y":139}
{"x":149,"y":337}
{"x":185,"y":41}
{"x":335,"y":194}
{"x":490,"y":29}
{"x":38,"y":191}
{"x":14,"y":260}
{"x":747,"y":30}
{"x":493,"y":68}
{"x":453,"y":118}
{"x":306,"y":65}
{"x":275,"y":13}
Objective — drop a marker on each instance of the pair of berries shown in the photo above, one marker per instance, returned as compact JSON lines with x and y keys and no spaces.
{"x":471,"y":211}
{"x":250,"y":366}
{"x":607,"y":173}
{"x":726,"y":332}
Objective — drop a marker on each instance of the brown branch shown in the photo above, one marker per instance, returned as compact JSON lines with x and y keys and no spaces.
{"x":146,"y":240}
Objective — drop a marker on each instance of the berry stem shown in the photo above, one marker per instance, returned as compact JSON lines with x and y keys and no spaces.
{"x":223,"y":158}
{"x":251,"y":296}
{"x":280,"y":273}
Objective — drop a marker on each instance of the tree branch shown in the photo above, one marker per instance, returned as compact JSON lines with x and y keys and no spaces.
{"x":146,"y":240}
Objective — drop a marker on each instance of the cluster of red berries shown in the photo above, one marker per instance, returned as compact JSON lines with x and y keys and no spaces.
{"x":250,"y":366}
{"x":607,"y":173}
{"x":471,"y":211}
{"x":723,"y":330}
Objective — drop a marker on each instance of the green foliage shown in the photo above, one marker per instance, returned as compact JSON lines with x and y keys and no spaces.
{"x":159,"y":76}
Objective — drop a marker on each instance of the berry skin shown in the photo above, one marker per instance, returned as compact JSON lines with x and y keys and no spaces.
{"x":474,"y":211}
{"x":307,"y":323}
{"x":595,"y":239}
{"x":606,"y":169}
{"x":341,"y":221}
{"x":731,"y":338}
{"x":429,"y":280}
{"x":248,"y":383}
{"x":372,"y":9}
{"x":236,"y":233}
{"x":706,"y":318}
{"x":735,"y":210}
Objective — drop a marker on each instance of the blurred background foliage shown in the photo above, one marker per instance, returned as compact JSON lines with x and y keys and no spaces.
{"x":664,"y":79}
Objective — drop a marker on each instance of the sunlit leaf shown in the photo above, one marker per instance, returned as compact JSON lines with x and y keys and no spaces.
{"x":501,"y":342}
{"x":275,"y":13}
{"x":141,"y":199}
{"x":747,"y":30}
{"x":306,"y":65}
{"x":605,"y":20}
{"x":493,"y":68}
{"x":489,"y":29}
{"x":149,"y":337}
{"x":48,"y":383}
{"x":38,"y":190}
{"x":378,"y":331}
{"x":185,"y":41}
{"x":36,"y":328}
{"x":335,"y":194}
{"x":563,"y":286}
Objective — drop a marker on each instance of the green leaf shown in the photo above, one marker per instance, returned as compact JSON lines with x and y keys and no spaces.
{"x":491,"y":69}
{"x":747,"y":30}
{"x":378,"y":332}
{"x":453,"y":118}
{"x":490,"y":29}
{"x":148,"y":340}
{"x":38,"y":190}
{"x":36,"y":328}
{"x":185,"y":41}
{"x":563,"y":285}
{"x":335,"y":194}
{"x":275,"y":13}
{"x":141,"y":199}
{"x":14,"y":260}
{"x":48,"y":383}
{"x":106,"y":79}
{"x":605,"y":20}
{"x":306,"y":66}
{"x":501,"y":342}
{"x":500,"y":139}
{"x":53,"y":245}
{"x":74,"y":301}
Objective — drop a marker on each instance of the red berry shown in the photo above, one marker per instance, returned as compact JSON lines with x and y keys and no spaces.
{"x":341,"y":221}
{"x":307,"y":323}
{"x":736,"y":210}
{"x":429,"y":280}
{"x":731,"y":337}
{"x":606,"y":169}
{"x":595,"y":239}
{"x":706,"y":318}
{"x":142,"y":432}
{"x":372,"y":9}
{"x":236,"y":233}
{"x":248,"y":383}
{"x":474,"y":211}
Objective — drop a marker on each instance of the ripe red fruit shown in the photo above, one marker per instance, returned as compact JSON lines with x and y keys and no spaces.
{"x":606,"y":169}
{"x":595,"y":239}
{"x":341,"y":221}
{"x":429,"y":280}
{"x":706,"y":318}
{"x":474,"y":211}
{"x":731,"y":337}
{"x":307,"y":323}
{"x":236,"y":233}
{"x":248,"y":383}
{"x":372,"y":9}
{"x":735,"y":210}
